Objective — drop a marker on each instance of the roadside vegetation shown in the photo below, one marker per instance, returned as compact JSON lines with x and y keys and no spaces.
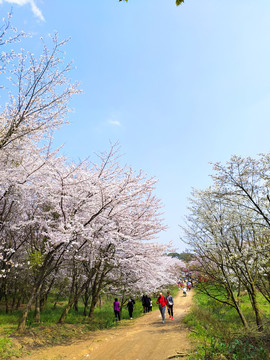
{"x":48,"y":332}
{"x":218,"y":333}
{"x":228,"y":232}
{"x":77,"y":326}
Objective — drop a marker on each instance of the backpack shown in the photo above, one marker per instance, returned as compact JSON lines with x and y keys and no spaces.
{"x":170,"y":300}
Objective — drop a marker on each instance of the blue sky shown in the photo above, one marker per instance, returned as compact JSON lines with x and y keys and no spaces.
{"x":178,"y":87}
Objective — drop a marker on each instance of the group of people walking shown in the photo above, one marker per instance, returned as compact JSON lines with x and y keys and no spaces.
{"x":117,"y":308}
{"x":185,"y":286}
{"x":146,"y":303}
{"x":162,"y":302}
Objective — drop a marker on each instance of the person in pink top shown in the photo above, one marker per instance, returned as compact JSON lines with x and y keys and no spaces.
{"x":162,"y":303}
{"x":116,"y":307}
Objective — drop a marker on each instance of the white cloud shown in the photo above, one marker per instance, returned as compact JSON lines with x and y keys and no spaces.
{"x":37,"y":12}
{"x":114,"y":122}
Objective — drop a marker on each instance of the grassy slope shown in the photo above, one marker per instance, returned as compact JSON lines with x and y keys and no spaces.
{"x":218,"y":332}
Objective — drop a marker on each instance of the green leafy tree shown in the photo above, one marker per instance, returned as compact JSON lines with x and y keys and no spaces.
{"x":184,"y":256}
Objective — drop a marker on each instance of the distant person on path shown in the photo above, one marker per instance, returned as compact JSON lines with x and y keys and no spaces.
{"x":189,"y":285}
{"x":116,"y":307}
{"x":151,"y":305}
{"x":130,"y":307}
{"x":184,"y":291}
{"x":144,"y":303}
{"x":162,"y":303}
{"x":170,"y":302}
{"x":147,"y":303}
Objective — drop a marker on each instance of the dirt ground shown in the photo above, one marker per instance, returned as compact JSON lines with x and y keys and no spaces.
{"x":145,"y":338}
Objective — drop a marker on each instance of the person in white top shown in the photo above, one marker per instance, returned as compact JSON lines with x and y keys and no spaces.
{"x":184,"y":291}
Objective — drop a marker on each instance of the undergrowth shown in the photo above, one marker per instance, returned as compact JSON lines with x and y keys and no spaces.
{"x":218,"y":333}
{"x":77,"y":325}
{"x":8,"y":348}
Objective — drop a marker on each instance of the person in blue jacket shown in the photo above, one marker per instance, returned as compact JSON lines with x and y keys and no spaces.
{"x":170,"y":304}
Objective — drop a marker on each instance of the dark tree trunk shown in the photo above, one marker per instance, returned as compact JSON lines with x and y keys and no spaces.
{"x":18,"y":303}
{"x":37,"y":309}
{"x":76,"y":298}
{"x":86,"y":301}
{"x":22,"y":321}
{"x":255,"y":306}
{"x":63,"y":316}
{"x":72,"y":299}
{"x":66,"y":311}
{"x":6,"y":304}
{"x":96,"y":291}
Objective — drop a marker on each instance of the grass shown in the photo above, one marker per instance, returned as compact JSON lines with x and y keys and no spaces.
{"x":8,"y":348}
{"x":217,"y":331}
{"x":48,"y":332}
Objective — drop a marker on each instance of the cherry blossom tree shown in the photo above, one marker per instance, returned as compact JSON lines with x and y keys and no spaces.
{"x":244,"y":182}
{"x":126,"y":216}
{"x":205,"y":233}
{"x":91,"y":220}
{"x":87,"y":225}
{"x":228,"y":228}
{"x":37,"y":91}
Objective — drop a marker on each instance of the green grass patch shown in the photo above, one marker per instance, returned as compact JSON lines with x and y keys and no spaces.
{"x":103,"y":316}
{"x":8,"y":349}
{"x":217,"y":331}
{"x":48,"y":332}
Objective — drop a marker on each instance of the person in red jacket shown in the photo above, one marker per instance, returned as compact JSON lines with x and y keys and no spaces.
{"x":162,"y":303}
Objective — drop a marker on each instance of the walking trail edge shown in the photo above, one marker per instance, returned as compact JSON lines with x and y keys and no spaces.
{"x":140,"y":339}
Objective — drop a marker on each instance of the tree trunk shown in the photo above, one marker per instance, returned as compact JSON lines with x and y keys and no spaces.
{"x":37,"y":308}
{"x":76,"y":307}
{"x":86,"y":301}
{"x":95,"y":292}
{"x":94,"y":295}
{"x":66,"y":311}
{"x":234,"y":300}
{"x":6,"y":304}
{"x":239,"y":311}
{"x":6,"y":298}
{"x":18,"y":302}
{"x":13,"y":303}
{"x":63,"y":316}
{"x":56,"y":300}
{"x":238,"y":293}
{"x":22,"y":321}
{"x":93,"y":305}
{"x":43,"y":302}
{"x":252,"y":292}
{"x":242,"y":317}
{"x":123,"y":299}
{"x":255,"y":306}
{"x":72,"y":299}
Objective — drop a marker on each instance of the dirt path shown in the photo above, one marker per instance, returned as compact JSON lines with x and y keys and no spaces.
{"x":145,"y":338}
